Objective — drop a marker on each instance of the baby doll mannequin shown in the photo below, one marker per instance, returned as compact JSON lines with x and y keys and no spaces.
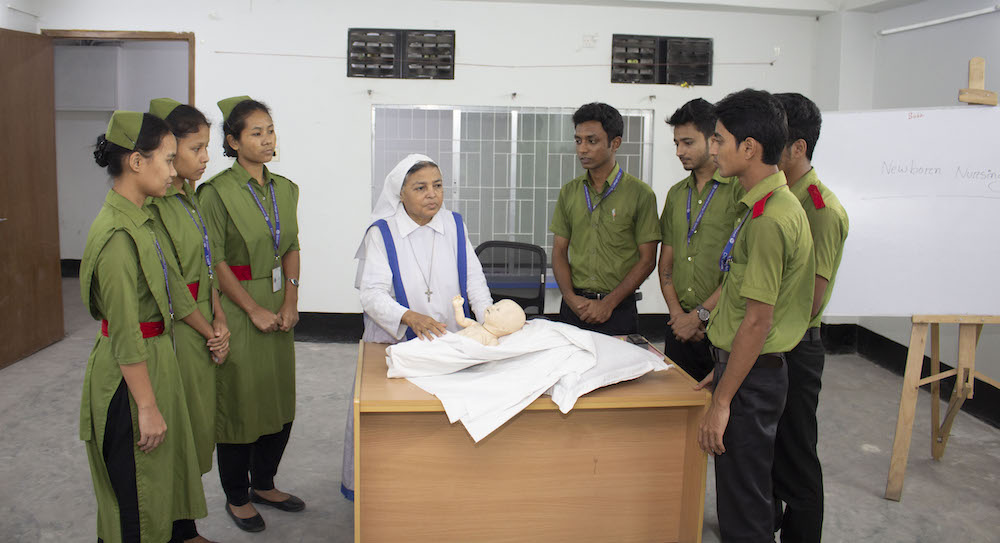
{"x":502,"y":318}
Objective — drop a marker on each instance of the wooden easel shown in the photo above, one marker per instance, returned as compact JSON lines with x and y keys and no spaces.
{"x":976,"y":93}
{"x":969,"y":329}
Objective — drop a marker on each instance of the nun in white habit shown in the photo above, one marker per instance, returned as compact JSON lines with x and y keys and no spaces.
{"x":426,"y":242}
{"x":425,"y":237}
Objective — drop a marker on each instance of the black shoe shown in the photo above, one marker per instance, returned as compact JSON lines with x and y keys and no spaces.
{"x":252,"y":524}
{"x":291,"y":505}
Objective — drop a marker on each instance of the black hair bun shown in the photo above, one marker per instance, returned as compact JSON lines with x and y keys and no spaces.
{"x":101,"y":151}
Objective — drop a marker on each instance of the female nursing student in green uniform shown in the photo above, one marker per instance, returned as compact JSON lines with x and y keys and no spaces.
{"x":145,"y":478}
{"x":254,"y":212}
{"x":187,"y":236}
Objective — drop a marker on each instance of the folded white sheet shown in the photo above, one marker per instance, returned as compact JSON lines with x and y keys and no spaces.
{"x":500,"y":380}
{"x":452,"y":352}
{"x":483,"y":387}
{"x":617,"y":361}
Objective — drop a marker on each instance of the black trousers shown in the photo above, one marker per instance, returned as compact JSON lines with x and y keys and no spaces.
{"x":624,"y":319}
{"x":797,"y":473}
{"x":259,"y":459}
{"x":119,"y":459}
{"x":744,"y":493}
{"x":694,"y":357}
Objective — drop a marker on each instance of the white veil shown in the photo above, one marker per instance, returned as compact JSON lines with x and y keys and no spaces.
{"x":388,"y":203}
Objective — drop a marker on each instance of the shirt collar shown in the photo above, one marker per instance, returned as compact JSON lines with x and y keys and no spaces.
{"x":715,"y":177}
{"x":608,"y":181}
{"x":801,"y":187}
{"x":766,"y":185}
{"x":139,"y":216}
{"x":407,"y":226}
{"x":243,"y":175}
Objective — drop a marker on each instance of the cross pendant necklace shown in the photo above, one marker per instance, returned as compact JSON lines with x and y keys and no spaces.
{"x":430,"y":270}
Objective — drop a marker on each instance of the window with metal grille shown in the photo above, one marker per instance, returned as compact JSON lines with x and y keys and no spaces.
{"x":401,"y":54}
{"x":503,"y":167}
{"x":661,"y":60}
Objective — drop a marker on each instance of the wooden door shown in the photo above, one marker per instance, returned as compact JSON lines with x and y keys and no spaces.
{"x":31,"y":309}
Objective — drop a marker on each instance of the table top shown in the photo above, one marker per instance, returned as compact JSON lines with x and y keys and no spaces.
{"x":375,"y":393}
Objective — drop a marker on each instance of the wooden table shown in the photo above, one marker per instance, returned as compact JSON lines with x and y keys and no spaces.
{"x":623,"y":465}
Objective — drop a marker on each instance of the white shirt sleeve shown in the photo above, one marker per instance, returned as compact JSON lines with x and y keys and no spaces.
{"x":479,"y":292}
{"x":376,"y":287}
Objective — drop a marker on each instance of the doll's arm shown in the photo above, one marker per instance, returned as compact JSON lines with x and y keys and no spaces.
{"x":458,"y":302}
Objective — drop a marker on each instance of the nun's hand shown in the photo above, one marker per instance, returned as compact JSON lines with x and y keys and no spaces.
{"x":425,"y":327}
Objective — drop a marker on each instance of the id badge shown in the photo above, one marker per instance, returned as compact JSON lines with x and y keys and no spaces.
{"x":276,"y":279}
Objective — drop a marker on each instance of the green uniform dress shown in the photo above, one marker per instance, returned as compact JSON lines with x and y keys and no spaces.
{"x":256,"y":385}
{"x":179,"y":217}
{"x":122,"y":281}
{"x":829,"y":224}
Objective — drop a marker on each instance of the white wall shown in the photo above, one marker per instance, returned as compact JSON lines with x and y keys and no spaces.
{"x":19,"y":15}
{"x":324,"y":118}
{"x":926,"y":67}
{"x":146,"y":70}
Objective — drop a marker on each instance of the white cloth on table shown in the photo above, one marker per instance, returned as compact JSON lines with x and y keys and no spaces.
{"x":495,"y":383}
{"x":484,"y":387}
{"x":617,"y":361}
{"x":382,"y":313}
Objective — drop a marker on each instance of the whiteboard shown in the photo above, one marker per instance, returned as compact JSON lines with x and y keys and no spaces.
{"x":922,"y":190}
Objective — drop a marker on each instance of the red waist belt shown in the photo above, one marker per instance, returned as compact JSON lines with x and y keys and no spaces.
{"x":148,"y":329}
{"x":193,"y":287}
{"x":242,"y":273}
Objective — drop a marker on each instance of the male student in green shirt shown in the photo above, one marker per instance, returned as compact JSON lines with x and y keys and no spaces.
{"x":797,"y":474}
{"x":762,"y":313}
{"x":605,"y":229}
{"x":698,"y":214}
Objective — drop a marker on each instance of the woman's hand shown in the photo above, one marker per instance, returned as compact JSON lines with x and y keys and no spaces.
{"x":218,"y":357}
{"x":152,"y":428}
{"x":220,"y":341}
{"x":288,"y":316}
{"x":264,"y":320}
{"x":425,"y":327}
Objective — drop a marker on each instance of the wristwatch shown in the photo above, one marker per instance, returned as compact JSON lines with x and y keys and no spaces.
{"x":294,"y":282}
{"x":703,"y":313}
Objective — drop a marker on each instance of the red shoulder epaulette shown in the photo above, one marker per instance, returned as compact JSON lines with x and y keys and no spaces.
{"x":816,"y":196}
{"x":758,"y":208}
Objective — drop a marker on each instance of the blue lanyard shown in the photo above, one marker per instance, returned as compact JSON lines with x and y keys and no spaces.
{"x":204,"y":235}
{"x":726,"y":257}
{"x":607,"y":191}
{"x":697,"y":221}
{"x":276,"y":229}
{"x":166,"y":278}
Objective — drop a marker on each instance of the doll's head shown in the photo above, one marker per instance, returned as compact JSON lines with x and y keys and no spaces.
{"x":503,"y":318}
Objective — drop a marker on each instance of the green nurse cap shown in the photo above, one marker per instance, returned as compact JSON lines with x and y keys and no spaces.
{"x":123,"y":128}
{"x":161,"y":107}
{"x":227,"y":105}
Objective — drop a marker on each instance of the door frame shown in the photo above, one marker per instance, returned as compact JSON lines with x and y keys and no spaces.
{"x":132,"y":35}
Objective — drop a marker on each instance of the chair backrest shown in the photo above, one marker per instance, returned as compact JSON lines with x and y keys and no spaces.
{"x":516,"y":271}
